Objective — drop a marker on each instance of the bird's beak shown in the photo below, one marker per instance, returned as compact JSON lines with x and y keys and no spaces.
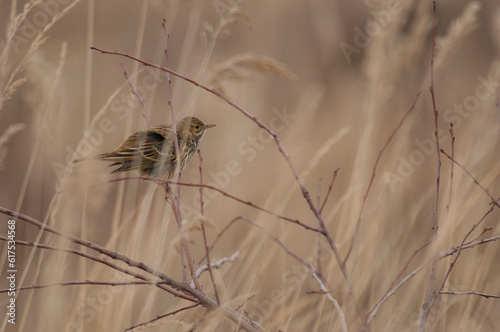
{"x":209,"y":126}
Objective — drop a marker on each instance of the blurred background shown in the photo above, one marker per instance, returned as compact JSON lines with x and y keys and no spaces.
{"x":333,"y":79}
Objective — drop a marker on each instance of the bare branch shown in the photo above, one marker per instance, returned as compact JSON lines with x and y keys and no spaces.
{"x":295,"y":221}
{"x":86,"y":282}
{"x":217,"y":264}
{"x":452,"y":134}
{"x":329,"y":189}
{"x":493,"y":199}
{"x":401,"y":273}
{"x":431,"y":292}
{"x":471,"y":293}
{"x":145,"y":112}
{"x":102,"y":261}
{"x":179,"y":289}
{"x":203,"y":230}
{"x":162,"y":316}
{"x":332,"y":299}
{"x":440,"y":256}
{"x":452,"y":264}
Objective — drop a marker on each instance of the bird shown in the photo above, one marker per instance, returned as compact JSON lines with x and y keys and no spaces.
{"x":152,"y":151}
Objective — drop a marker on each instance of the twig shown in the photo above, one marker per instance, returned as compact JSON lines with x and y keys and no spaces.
{"x":393,"y":291}
{"x":440,"y":256}
{"x":486,"y":229}
{"x":99,"y":260}
{"x":451,"y":171}
{"x":176,"y":198}
{"x":431,"y":293}
{"x":145,"y":112}
{"x":217,"y":264}
{"x":365,"y":197}
{"x":459,"y":251}
{"x":274,"y":238}
{"x":471,"y":293}
{"x":226,"y":194}
{"x":334,"y":301}
{"x":497,"y":101}
{"x":85,"y":282}
{"x":329,"y":189}
{"x":201,"y":182}
{"x":493,"y":199}
{"x":318,"y":255}
{"x":161,"y":316}
{"x":171,"y":105}
{"x":203,"y":231}
{"x":400,"y":274}
{"x":436,"y":123}
{"x":176,"y":210}
{"x":243,"y":303}
{"x":468,"y":245}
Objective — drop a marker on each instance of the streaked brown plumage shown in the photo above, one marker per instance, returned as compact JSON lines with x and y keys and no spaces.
{"x":152,"y":151}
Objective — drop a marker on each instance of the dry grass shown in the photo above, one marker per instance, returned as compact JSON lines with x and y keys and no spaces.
{"x":338,"y":112}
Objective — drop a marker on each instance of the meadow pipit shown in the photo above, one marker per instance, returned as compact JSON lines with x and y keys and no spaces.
{"x":152,"y":151}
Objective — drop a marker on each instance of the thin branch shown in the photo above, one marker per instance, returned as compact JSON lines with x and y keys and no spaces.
{"x":400,"y":274}
{"x":486,"y":229}
{"x":243,"y":303}
{"x":176,"y":210}
{"x":176,"y":197}
{"x":318,"y":192}
{"x":497,"y":101}
{"x":171,"y":106}
{"x":99,"y":260}
{"x":365,"y":197}
{"x":86,"y":282}
{"x":161,"y":316}
{"x":334,"y":301}
{"x":468,"y":245}
{"x":226,"y":194}
{"x":451,"y":171}
{"x":440,"y":256}
{"x":274,"y":238}
{"x":321,"y":281}
{"x":431,"y":292}
{"x":436,"y":121}
{"x":201,"y":182}
{"x":203,"y":231}
{"x":145,"y":112}
{"x":217,"y":264}
{"x":318,"y":255}
{"x":459,"y":251}
{"x":329,"y":189}
{"x":393,"y":291}
{"x":493,"y":199}
{"x":471,"y":293}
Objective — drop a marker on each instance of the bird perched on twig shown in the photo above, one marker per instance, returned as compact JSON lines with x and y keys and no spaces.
{"x":152,"y":151}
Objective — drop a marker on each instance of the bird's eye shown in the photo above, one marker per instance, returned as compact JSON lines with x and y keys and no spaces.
{"x":197,"y":127}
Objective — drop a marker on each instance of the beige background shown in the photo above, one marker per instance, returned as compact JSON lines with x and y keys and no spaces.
{"x":340,"y":112}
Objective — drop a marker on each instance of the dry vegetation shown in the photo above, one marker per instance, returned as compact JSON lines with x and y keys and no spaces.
{"x":334,"y":80}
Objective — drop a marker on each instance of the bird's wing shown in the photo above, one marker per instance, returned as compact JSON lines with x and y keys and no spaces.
{"x":155,"y":147}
